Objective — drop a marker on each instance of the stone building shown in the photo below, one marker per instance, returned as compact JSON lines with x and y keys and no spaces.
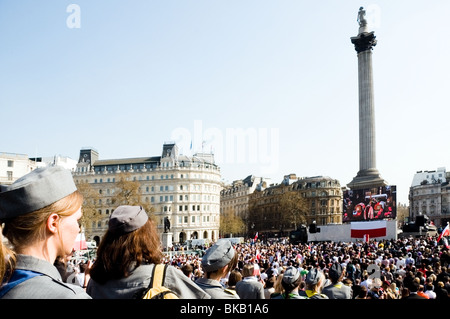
{"x":234,"y":198}
{"x":186,"y":189}
{"x":429,"y":194}
{"x":323,"y":201}
{"x":14,"y":166}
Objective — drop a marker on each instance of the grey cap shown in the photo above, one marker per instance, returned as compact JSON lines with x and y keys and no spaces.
{"x":313,"y":276}
{"x":335,"y":271}
{"x":291,"y":275}
{"x":35,"y":190}
{"x":218,"y":255}
{"x":126,"y":219}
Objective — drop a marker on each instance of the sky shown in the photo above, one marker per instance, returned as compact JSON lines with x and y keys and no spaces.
{"x":269,"y":87}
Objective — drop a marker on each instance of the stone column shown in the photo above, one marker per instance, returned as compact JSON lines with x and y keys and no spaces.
{"x":368,"y":175}
{"x":367,"y":156}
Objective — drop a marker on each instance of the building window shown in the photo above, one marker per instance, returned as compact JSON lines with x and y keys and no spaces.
{"x":10,"y":163}
{"x":10,"y":175}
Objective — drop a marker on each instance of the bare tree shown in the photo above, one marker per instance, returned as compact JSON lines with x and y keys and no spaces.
{"x":128,"y":192}
{"x":230,"y":223}
{"x":293,"y":208}
{"x":89,"y":208}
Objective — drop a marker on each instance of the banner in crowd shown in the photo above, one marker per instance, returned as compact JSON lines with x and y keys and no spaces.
{"x":370,"y":229}
{"x":80,"y":242}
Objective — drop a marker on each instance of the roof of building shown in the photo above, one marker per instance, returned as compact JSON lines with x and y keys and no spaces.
{"x":124,"y":161}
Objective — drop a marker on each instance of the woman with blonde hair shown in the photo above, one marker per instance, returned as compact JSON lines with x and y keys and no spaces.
{"x":39,"y":213}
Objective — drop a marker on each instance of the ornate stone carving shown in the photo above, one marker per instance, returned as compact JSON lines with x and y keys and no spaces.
{"x":364,"y":41}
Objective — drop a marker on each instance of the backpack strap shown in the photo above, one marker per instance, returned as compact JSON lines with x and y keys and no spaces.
{"x":18,"y":277}
{"x":158,"y":275}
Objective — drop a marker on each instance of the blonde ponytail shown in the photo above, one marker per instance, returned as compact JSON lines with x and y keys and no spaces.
{"x":7,"y":260}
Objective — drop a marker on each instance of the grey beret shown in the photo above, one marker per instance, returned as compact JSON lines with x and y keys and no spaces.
{"x":126,"y":219}
{"x":335,"y":271}
{"x":35,"y":190}
{"x":313,"y":276}
{"x":291,"y":275}
{"x":218,"y":255}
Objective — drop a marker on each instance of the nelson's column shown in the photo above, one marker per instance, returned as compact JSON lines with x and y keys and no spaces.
{"x":368,"y":175}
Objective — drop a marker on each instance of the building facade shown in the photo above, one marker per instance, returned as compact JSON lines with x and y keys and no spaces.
{"x":429,"y":195}
{"x":235,"y":198}
{"x":184,"y":189}
{"x":14,"y":166}
{"x":322,"y":204}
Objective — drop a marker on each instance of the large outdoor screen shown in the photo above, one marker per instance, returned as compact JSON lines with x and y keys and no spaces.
{"x":370,"y":204}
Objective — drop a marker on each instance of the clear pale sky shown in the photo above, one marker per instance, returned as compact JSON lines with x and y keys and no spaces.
{"x":269,"y":86}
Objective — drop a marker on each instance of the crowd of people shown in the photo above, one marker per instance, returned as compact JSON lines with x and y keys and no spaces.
{"x":40,"y":214}
{"x":386,"y":269}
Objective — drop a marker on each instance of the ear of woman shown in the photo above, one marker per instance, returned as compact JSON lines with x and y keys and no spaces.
{"x":53,"y":223}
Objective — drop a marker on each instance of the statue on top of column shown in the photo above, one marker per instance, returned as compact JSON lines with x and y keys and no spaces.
{"x":362,"y":20}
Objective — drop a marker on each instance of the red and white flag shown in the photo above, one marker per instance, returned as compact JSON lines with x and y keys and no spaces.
{"x":80,"y":242}
{"x":366,"y":238}
{"x":370,"y":229}
{"x":256,"y":236}
{"x":445,"y":232}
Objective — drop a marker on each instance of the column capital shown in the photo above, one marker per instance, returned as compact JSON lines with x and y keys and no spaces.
{"x":364,"y":41}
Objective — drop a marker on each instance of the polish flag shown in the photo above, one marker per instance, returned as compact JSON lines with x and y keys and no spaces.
{"x":370,"y":229}
{"x":445,"y":232}
{"x":80,"y":242}
{"x":366,"y":238}
{"x":256,"y":236}
{"x":258,"y":255}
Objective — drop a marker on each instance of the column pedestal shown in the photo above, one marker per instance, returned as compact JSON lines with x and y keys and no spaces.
{"x":167,"y":240}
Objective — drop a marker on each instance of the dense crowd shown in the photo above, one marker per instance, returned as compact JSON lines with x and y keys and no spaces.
{"x":40,"y":215}
{"x":386,"y":269}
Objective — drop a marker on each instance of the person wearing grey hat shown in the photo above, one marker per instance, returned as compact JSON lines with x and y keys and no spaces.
{"x":314,"y":282}
{"x":220,"y":259}
{"x":290,"y":282}
{"x":337,"y":290}
{"x":39,"y":213}
{"x":126,"y":257}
